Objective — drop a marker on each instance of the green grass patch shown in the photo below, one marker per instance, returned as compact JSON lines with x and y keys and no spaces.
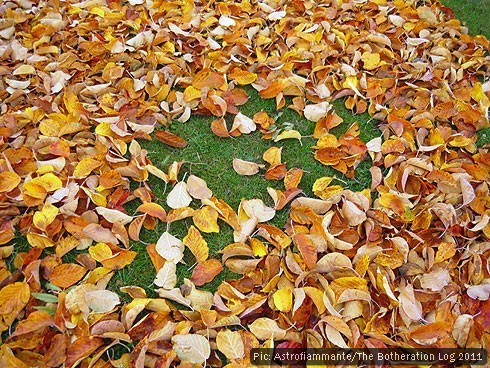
{"x":210,"y":158}
{"x":472,"y":13}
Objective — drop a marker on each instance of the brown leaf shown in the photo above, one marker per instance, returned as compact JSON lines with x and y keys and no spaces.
{"x":170,"y":139}
{"x":56,"y":354}
{"x":82,"y":348}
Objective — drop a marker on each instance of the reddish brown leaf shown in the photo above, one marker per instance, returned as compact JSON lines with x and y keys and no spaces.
{"x":170,"y":139}
{"x":206,"y":271}
{"x":81,"y":348}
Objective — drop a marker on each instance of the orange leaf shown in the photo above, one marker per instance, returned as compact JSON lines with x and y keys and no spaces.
{"x":154,"y":210}
{"x":307,"y":248}
{"x":242,"y":77}
{"x":329,"y":155}
{"x":206,"y":78}
{"x":9,"y":180}
{"x":121,"y":259}
{"x":272,"y":90}
{"x":67,"y":274}
{"x":206,"y":271}
{"x":292,"y":178}
{"x":170,"y":139}
{"x":277,"y":172}
{"x":134,"y":228}
{"x":37,"y":320}
{"x":219,"y":128}
{"x":81,"y":348}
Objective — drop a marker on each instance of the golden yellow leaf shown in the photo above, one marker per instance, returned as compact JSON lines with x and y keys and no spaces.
{"x":9,"y":180}
{"x":100,"y":252}
{"x":197,"y":245}
{"x":370,"y":60}
{"x":258,"y":247}
{"x":13,"y":299}
{"x":283,"y":299}
{"x":85,"y":167}
{"x":243,"y":77}
{"x":46,"y":216}
{"x":273,"y":156}
{"x":445,"y":251}
{"x":206,"y":219}
{"x":39,"y":241}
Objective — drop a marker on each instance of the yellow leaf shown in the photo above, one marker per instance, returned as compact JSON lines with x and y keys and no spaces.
{"x":104,"y":129}
{"x":197,"y":245}
{"x":370,"y":60}
{"x":49,"y":182}
{"x":85,"y":167}
{"x":243,"y":77}
{"x":258,"y":247}
{"x":362,"y":265}
{"x":230,"y":343}
{"x":283,"y":300}
{"x":288,"y":134}
{"x":9,"y":180}
{"x":100,"y":252}
{"x":191,"y":93}
{"x":39,"y":241}
{"x":316,"y":295}
{"x":97,"y":198}
{"x":273,"y":156}
{"x":206,"y":219}
{"x":46,"y":216}
{"x":13,"y":299}
{"x":445,"y":250}
{"x":351,"y":82}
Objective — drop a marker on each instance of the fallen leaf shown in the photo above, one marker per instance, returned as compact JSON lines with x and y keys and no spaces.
{"x":166,"y":276}
{"x":242,"y":167}
{"x":197,"y":245}
{"x":101,"y":301}
{"x":191,"y":348}
{"x":178,"y":196}
{"x":170,"y":248}
{"x":230,"y":343}
{"x":170,"y":139}
{"x":67,"y":275}
{"x":206,"y":272}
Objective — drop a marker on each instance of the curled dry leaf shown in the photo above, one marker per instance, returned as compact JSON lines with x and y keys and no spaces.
{"x":242,"y":167}
{"x":198,"y":188}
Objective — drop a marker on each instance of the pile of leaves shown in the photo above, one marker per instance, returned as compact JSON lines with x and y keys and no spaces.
{"x":401,"y":264}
